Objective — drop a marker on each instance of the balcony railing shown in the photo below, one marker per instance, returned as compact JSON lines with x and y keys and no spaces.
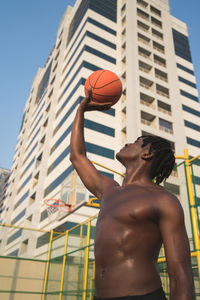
{"x":147,"y":103}
{"x":164,"y":111}
{"x":160,"y":63}
{"x":146,"y":122}
{"x":168,"y":130}
{"x":157,"y":36}
{"x":158,"y":49}
{"x":144,"y":69}
{"x":146,"y":86}
{"x":143,"y":28}
{"x":144,"y":41}
{"x":161,"y":77}
{"x":162,"y":93}
{"x":143,"y":16}
{"x":144,"y":55}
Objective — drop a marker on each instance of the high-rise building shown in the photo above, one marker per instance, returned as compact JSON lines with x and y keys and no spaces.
{"x":149,"y":49}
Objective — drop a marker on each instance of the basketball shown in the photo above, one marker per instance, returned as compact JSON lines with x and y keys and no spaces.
{"x":105,"y":87}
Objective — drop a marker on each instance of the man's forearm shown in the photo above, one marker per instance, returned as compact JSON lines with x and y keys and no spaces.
{"x":77,"y":143}
{"x":181,"y":291}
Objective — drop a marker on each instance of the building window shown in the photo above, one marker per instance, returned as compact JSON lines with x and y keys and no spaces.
{"x":145,"y":53}
{"x":142,"y":3}
{"x":159,"y":60}
{"x":191,"y":110}
{"x":29,"y":154}
{"x":192,"y":125}
{"x":143,"y":26}
{"x":187,"y":82}
{"x":43,"y":239}
{"x":185,"y":69}
{"x":145,"y":67}
{"x":14,"y":236}
{"x":102,"y":151}
{"x":156,"y":22}
{"x":142,"y":38}
{"x":161,"y":75}
{"x":44,"y":215}
{"x":161,"y":90}
{"x":158,"y":47}
{"x":165,"y":126}
{"x":58,"y":180}
{"x":147,"y":100}
{"x":24,"y":183}
{"x":18,"y":217}
{"x":99,"y":127}
{"x":43,"y":84}
{"x":21,"y":199}
{"x":156,"y":11}
{"x":14,"y":253}
{"x":193,"y":142}
{"x":165,"y":108}
{"x":60,"y":158}
{"x":148,"y":119}
{"x":142,"y":14}
{"x":29,"y":165}
{"x":181,"y":44}
{"x":146,"y":83}
{"x":157,"y":34}
{"x":188,"y":95}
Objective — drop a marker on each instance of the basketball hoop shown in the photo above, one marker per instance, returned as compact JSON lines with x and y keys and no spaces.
{"x":56,"y":205}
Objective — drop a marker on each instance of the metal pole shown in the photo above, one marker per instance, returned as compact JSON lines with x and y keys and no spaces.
{"x":195,"y":194}
{"x":79,"y":260}
{"x":193,"y":208}
{"x":164,"y":273}
{"x":92,"y":279}
{"x":63,"y":267}
{"x":86,"y":257}
{"x":47,"y":266}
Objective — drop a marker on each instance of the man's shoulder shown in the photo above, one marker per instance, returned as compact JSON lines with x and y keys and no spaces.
{"x":168,"y":204}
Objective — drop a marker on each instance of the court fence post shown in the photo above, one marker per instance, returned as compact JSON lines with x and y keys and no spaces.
{"x":86,"y":257}
{"x":192,"y":208}
{"x":47,"y":266}
{"x":63,"y":266}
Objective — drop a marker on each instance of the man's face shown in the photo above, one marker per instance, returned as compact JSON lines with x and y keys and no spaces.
{"x":131,"y":151}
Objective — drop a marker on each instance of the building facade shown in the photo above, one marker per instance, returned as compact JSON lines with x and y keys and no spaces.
{"x":149,"y":49}
{"x":4,"y":176}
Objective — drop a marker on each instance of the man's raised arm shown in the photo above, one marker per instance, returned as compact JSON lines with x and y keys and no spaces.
{"x":92,"y":179}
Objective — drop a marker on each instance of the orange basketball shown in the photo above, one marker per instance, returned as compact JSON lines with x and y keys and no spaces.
{"x":106,"y":86}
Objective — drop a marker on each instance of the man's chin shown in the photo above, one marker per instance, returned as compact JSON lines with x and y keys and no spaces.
{"x":118,"y":156}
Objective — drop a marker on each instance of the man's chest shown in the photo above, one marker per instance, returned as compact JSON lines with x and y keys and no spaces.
{"x":129,"y":205}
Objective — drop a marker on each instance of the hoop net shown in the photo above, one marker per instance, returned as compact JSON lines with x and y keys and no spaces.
{"x":56,"y":205}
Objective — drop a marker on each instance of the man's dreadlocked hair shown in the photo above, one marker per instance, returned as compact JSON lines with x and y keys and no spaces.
{"x":163,"y":159}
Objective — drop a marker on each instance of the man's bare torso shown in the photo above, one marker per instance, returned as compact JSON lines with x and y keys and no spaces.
{"x":127,"y":242}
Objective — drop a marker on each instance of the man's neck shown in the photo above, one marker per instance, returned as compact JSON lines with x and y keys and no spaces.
{"x":138,"y":175}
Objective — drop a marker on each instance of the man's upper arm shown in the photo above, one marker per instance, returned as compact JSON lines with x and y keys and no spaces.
{"x":176,"y":244}
{"x":94,"y":181}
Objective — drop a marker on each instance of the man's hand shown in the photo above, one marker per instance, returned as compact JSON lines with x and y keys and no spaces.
{"x":88,"y":104}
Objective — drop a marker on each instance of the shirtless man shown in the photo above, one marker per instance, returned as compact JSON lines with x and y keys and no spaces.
{"x":135,"y":219}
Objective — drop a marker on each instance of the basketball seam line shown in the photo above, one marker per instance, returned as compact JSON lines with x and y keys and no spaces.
{"x":106,"y":95}
{"x":99,"y":77}
{"x":106,"y":84}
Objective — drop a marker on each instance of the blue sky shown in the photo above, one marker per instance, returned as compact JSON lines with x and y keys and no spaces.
{"x":28,"y":32}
